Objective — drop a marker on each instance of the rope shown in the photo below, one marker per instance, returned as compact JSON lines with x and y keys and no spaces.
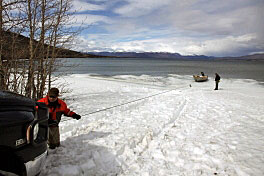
{"x":122,"y":104}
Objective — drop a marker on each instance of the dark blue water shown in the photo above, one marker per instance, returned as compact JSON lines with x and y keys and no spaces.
{"x":162,"y":67}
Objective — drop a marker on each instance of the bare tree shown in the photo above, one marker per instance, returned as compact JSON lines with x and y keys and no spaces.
{"x":46,"y":24}
{"x":8,"y":21}
{"x":54,"y":34}
{"x":2,"y":72}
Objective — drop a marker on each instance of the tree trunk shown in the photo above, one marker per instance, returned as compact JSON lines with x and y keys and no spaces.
{"x":2,"y":73}
{"x":31,"y":68}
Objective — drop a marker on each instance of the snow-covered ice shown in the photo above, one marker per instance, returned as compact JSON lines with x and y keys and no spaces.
{"x":163,"y":126}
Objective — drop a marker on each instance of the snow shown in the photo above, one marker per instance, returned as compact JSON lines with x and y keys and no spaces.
{"x":163,"y":126}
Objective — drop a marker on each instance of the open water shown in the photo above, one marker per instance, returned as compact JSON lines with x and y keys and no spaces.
{"x":242,"y":69}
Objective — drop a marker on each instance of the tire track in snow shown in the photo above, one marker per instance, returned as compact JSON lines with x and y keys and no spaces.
{"x":176,"y":115}
{"x":149,"y":136}
{"x":153,"y":136}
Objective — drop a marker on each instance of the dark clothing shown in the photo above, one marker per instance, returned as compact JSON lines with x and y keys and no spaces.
{"x":216,"y":85}
{"x":54,"y":137}
{"x":202,"y":73}
{"x":217,"y":79}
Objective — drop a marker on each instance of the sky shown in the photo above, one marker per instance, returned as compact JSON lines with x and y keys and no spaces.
{"x":168,"y":128}
{"x":189,"y":27}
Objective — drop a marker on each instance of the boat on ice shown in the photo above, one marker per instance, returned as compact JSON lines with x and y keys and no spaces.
{"x":199,"y":78}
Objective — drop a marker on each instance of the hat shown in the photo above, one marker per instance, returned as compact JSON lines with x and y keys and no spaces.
{"x":53,"y":92}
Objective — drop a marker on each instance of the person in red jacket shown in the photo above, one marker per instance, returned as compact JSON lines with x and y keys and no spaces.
{"x":57,"y":108}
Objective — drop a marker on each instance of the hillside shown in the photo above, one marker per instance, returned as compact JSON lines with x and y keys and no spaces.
{"x":20,"y":45}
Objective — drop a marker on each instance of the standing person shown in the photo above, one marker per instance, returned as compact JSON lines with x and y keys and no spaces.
{"x":57,"y":107}
{"x":202,"y":73}
{"x":217,"y":79}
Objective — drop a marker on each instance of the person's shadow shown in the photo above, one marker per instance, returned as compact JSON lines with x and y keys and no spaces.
{"x":79,"y":156}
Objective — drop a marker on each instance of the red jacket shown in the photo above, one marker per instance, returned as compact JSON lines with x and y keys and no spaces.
{"x":55,"y":112}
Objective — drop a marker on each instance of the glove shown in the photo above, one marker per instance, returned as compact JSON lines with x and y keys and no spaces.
{"x":76,"y":116}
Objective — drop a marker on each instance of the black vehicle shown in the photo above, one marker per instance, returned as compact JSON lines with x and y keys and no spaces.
{"x":23,"y":134}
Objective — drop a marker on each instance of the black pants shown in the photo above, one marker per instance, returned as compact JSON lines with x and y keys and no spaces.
{"x":54,"y":137}
{"x":216,"y":85}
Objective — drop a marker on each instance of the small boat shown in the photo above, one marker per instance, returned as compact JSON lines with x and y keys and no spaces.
{"x":199,"y":78}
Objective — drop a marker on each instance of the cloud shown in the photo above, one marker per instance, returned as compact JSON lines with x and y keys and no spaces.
{"x":136,"y":8}
{"x":85,"y":19}
{"x":228,"y":46}
{"x":219,"y":27}
{"x":92,"y":44}
{"x":80,"y":5}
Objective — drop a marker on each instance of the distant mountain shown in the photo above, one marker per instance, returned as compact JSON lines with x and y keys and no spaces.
{"x":149,"y":55}
{"x":248,"y":57}
{"x":167,"y":55}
